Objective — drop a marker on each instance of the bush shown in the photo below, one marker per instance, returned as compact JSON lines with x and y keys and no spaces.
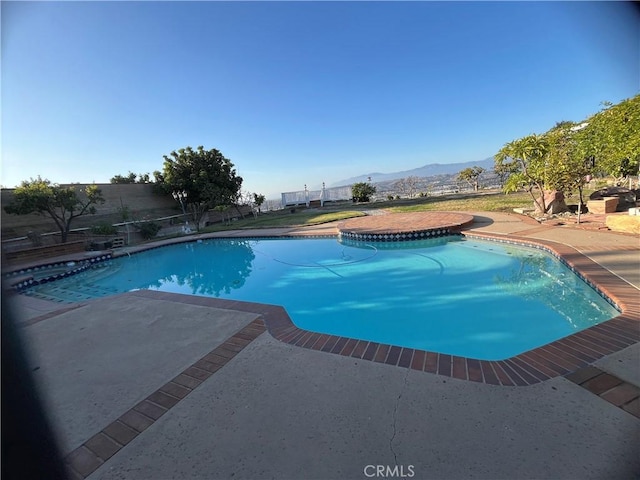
{"x":362,"y":191}
{"x":104,"y":229}
{"x":148,"y":230}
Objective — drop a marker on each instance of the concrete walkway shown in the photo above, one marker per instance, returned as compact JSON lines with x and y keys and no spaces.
{"x":113,"y":373}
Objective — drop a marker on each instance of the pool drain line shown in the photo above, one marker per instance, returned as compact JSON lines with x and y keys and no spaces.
{"x":433,"y":260}
{"x":319,"y":265}
{"x":330,"y":270}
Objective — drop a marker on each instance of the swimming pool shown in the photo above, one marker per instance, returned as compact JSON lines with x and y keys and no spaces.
{"x":450,"y":295}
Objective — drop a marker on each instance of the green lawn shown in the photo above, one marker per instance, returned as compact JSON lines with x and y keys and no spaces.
{"x":284,"y":218}
{"x":491,"y":202}
{"x":471,"y":202}
{"x":487,"y":202}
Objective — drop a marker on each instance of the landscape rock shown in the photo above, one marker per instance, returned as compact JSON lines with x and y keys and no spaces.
{"x":554,"y":202}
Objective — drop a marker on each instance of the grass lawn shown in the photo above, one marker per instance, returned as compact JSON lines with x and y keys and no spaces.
{"x":462,"y":202}
{"x":488,"y":202}
{"x":470,"y":202}
{"x":284,"y":218}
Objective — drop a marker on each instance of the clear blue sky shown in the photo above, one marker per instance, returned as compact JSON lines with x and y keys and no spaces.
{"x":298,"y":93}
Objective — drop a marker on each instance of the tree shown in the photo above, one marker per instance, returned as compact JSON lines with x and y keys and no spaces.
{"x":258,"y":199}
{"x":206,"y":176}
{"x":131,"y":178}
{"x":121,"y":179}
{"x":143,"y":178}
{"x":471,"y":175}
{"x":611,"y":138}
{"x":526,"y":158}
{"x":362,"y":191}
{"x":62,"y":204}
{"x":503,"y":172}
{"x":157,"y":184}
{"x":570,"y":168}
{"x":542,"y":164}
{"x":562,"y":158}
{"x":407,"y":186}
{"x":158,"y":177}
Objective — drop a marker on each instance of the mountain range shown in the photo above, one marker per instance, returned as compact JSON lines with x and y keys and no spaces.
{"x":429,"y":170}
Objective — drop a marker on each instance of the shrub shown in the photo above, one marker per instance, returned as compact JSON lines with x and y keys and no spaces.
{"x":148,"y":230}
{"x":362,"y":191}
{"x":104,"y":229}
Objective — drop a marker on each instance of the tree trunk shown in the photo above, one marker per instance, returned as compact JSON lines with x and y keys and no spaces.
{"x":197,"y":212}
{"x":239,"y":211}
{"x":581,"y":195}
{"x":64,"y":230}
{"x":64,"y":234}
{"x":538,"y":203}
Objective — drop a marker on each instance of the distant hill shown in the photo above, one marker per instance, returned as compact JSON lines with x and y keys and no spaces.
{"x":429,"y":170}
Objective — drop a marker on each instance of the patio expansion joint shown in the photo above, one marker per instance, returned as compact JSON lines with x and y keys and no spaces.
{"x":93,"y":453}
{"x":395,"y":417}
{"x":624,"y":395}
{"x":64,"y":308}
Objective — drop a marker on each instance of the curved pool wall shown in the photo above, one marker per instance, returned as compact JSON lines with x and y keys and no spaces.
{"x":554,"y":359}
{"x":404,"y":227}
{"x":25,"y":278}
{"x":398,"y":237}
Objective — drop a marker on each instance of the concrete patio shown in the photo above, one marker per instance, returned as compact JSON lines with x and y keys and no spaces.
{"x":113,"y":373}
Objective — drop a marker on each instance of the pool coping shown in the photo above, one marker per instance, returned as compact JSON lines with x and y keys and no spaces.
{"x":559,"y":358}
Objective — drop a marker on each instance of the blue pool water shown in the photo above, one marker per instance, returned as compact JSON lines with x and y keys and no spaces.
{"x":450,"y":295}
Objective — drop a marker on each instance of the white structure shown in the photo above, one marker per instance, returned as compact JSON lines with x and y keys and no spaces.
{"x":579,"y":127}
{"x":306,"y":196}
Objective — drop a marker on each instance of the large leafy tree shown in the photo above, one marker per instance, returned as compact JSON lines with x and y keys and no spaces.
{"x":570,"y":167}
{"x":206,"y":176}
{"x":545,"y":163}
{"x":561,"y":159}
{"x":471,"y":175}
{"x":611,"y":138}
{"x":62,"y":204}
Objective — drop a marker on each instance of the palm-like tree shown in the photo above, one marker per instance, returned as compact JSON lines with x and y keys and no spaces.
{"x":527,"y":159}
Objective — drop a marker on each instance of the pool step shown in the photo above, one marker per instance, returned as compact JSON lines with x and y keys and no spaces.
{"x":78,"y":288}
{"x":74,"y":293}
